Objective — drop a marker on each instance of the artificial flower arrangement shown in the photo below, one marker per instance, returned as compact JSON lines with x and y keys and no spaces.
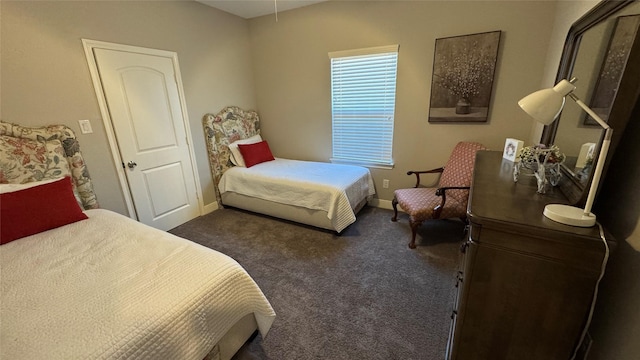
{"x":541,"y":154}
{"x":543,"y":161}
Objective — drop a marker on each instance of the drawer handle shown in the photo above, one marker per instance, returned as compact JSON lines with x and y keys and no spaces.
{"x":459,"y":278}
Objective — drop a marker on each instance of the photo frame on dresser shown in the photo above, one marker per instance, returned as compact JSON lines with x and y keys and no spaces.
{"x":512,"y":149}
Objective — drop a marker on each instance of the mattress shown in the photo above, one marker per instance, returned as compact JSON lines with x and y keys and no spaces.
{"x":111,"y":288}
{"x":334,"y":188}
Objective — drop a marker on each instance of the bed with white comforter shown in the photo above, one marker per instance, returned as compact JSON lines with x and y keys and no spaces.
{"x":332,"y":188}
{"x":324,"y":195}
{"x":79,"y":282}
{"x":111,"y":288}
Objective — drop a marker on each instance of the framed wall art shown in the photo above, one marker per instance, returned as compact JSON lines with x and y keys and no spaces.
{"x":613,"y":66}
{"x":462,"y":78}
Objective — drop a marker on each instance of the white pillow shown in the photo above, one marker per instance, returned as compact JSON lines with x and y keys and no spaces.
{"x":7,"y":188}
{"x":236,"y":156}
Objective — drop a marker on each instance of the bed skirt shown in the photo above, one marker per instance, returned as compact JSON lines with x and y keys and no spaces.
{"x":317,"y":218}
{"x":233,"y":340}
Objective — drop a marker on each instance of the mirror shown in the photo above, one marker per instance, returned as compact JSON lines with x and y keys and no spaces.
{"x":586,"y":49}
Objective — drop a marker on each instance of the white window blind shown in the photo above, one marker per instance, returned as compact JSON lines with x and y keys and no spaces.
{"x":363,"y":97}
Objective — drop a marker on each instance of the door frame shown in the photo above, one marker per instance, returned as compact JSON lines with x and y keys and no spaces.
{"x":89,"y":45}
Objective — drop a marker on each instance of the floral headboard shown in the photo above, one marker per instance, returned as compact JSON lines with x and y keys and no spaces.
{"x":229,"y":125}
{"x":34,"y":154}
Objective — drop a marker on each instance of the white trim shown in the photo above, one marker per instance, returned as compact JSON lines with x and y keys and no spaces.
{"x":187,"y":128}
{"x":364,"y":51}
{"x":89,"y":45}
{"x":382,"y":204}
{"x":365,"y":164}
{"x":211,"y":207}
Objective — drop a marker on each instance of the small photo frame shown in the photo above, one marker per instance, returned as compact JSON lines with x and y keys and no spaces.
{"x":585,"y":157}
{"x":512,"y":148}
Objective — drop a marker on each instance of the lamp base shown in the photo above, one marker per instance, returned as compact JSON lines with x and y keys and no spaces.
{"x":569,"y":215}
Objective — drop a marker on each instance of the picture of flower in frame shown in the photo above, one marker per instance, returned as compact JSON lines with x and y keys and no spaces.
{"x":462,"y":77}
{"x":613,"y":67}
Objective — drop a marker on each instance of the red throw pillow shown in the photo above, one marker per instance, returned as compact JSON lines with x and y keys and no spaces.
{"x":255,"y":153}
{"x":33,"y":210}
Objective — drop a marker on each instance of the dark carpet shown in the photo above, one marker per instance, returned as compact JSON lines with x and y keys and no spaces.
{"x":360,"y":295}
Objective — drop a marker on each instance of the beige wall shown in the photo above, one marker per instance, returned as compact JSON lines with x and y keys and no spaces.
{"x":45,"y":78}
{"x":567,"y":12}
{"x":292,"y":76}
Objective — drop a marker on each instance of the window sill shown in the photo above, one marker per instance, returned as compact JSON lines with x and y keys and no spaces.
{"x":363,"y":163}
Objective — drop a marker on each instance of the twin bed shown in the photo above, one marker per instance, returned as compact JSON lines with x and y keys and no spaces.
{"x":79,"y":282}
{"x":319,"y":194}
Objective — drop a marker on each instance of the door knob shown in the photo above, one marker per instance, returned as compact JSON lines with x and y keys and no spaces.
{"x":131,"y":164}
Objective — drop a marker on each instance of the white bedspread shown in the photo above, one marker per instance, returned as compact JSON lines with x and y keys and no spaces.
{"x":333,"y":188}
{"x":111,"y":288}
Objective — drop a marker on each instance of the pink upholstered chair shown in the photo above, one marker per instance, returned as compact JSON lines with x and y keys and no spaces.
{"x":447,"y":200}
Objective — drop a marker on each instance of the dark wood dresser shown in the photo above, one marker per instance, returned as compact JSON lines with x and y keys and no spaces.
{"x":525,"y":283}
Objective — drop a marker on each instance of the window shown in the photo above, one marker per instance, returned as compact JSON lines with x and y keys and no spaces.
{"x":363,"y":97}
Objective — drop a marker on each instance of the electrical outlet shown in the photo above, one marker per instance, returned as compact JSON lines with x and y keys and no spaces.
{"x":385,"y":183}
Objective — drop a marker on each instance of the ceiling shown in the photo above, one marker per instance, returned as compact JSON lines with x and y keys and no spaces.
{"x":253,"y":8}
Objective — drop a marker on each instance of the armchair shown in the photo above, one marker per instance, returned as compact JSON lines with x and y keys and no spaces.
{"x":447,"y":200}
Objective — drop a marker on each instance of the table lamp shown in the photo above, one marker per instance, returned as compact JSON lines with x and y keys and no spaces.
{"x":544,"y":106}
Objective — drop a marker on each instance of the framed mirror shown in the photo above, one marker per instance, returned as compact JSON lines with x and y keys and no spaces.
{"x":590,"y":42}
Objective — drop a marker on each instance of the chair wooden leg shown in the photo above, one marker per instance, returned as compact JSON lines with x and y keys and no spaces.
{"x":414,"y":230}
{"x":394,"y":203}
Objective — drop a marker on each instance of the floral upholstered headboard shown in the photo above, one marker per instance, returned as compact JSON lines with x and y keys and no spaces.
{"x":34,"y":154}
{"x":229,"y":125}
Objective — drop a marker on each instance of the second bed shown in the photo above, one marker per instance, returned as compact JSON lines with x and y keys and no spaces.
{"x":320,"y":194}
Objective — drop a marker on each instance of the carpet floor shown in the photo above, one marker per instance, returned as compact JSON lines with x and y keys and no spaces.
{"x":359,"y":295}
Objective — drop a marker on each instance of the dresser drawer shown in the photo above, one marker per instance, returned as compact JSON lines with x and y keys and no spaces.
{"x":467,"y":257}
{"x":587,"y":257}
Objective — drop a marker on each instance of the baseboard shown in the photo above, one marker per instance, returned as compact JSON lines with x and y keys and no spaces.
{"x":382,"y":204}
{"x":211,"y":207}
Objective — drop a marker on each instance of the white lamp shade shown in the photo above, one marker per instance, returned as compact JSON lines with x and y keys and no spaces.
{"x":545,"y":105}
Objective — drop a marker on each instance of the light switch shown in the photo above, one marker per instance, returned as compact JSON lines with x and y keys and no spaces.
{"x":85,"y":126}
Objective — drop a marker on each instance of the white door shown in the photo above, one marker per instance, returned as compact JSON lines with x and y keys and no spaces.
{"x":144,"y":105}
